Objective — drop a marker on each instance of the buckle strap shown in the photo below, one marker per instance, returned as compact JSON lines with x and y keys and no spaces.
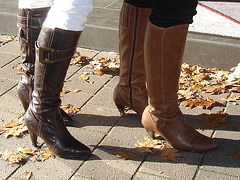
{"x":50,"y":55}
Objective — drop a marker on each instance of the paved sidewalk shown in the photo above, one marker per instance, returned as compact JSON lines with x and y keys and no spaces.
{"x":99,"y":125}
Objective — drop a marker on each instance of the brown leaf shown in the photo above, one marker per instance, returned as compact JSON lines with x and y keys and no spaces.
{"x":64,"y":91}
{"x":150,"y":143}
{"x":125,"y":154}
{"x":44,"y":154}
{"x":235,"y":89}
{"x":169,"y":154}
{"x":232,"y":99}
{"x":235,"y":154}
{"x":11,"y":157}
{"x":79,"y":59}
{"x":100,"y":73}
{"x":200,"y":77}
{"x":28,"y":175}
{"x":84,"y":77}
{"x":17,"y":131}
{"x":143,"y":149}
{"x":69,"y":109}
{"x":26,"y":151}
{"x":214,"y":119}
{"x":200,"y":102}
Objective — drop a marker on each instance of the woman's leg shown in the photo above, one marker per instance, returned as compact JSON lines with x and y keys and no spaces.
{"x":164,"y":48}
{"x":54,"y":49}
{"x":131,"y":90}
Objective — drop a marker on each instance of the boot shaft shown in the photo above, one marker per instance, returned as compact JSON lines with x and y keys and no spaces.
{"x":164,"y":49}
{"x":54,"y":49}
{"x":29,"y":23}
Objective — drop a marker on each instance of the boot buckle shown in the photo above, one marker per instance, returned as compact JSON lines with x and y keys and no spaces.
{"x":46,"y":55}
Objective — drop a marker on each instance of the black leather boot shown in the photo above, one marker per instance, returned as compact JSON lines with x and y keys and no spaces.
{"x":29,"y":25}
{"x":54,"y":49}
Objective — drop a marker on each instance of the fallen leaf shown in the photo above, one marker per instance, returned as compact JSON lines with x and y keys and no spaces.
{"x":69,"y":109}
{"x":64,"y":91}
{"x":169,"y":154}
{"x":235,"y":154}
{"x":28,"y":175}
{"x":11,"y":157}
{"x":100,"y":72}
{"x":143,"y":149}
{"x":26,"y":151}
{"x":214,"y":119}
{"x":84,"y":77}
{"x":232,"y":99}
{"x":17,"y":131}
{"x":44,"y":154}
{"x":200,"y":102}
{"x":150,"y":143}
{"x":77,"y":90}
{"x":125,"y":154}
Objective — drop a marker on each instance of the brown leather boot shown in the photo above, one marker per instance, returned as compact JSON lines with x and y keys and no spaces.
{"x":164,"y":48}
{"x":131,"y":89}
{"x":54,"y":49}
{"x":29,"y":25}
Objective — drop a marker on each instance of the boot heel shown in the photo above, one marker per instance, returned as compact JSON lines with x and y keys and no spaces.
{"x":33,"y":139}
{"x":121,"y":108}
{"x":150,"y":133}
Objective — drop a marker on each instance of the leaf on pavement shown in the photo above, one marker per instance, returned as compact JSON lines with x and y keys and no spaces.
{"x":125,"y":154}
{"x":150,"y":143}
{"x":200,"y":102}
{"x":169,"y":154}
{"x":27,"y":151}
{"x":235,"y":154}
{"x":218,"y":119}
{"x":14,"y":128}
{"x":232,"y":99}
{"x":69,"y":109}
{"x":64,"y":91}
{"x":11,"y":157}
{"x":44,"y":154}
{"x":84,"y":77}
{"x":28,"y":175}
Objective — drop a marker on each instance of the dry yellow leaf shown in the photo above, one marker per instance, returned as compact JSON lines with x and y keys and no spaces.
{"x":64,"y":91}
{"x":84,"y":77}
{"x":17,"y":131}
{"x":232,"y":99}
{"x":100,"y":73}
{"x":28,"y":175}
{"x":150,"y":143}
{"x":11,"y":157}
{"x":26,"y":151}
{"x":44,"y":154}
{"x":69,"y":109}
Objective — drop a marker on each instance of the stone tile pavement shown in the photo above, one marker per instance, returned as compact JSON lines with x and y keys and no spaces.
{"x":99,"y":125}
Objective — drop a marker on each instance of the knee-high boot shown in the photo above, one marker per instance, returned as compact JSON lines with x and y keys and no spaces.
{"x":54,"y":49}
{"x":164,"y":48}
{"x":29,"y":24}
{"x":131,"y":89}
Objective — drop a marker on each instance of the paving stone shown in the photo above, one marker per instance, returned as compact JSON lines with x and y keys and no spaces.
{"x":10,"y":71}
{"x":96,"y":118}
{"x":104,"y":98}
{"x":83,"y":52}
{"x":11,"y":47}
{"x":76,"y":99}
{"x":116,"y":5}
{"x":11,"y":103}
{"x":184,"y":169}
{"x":12,"y":143}
{"x":113,"y":82}
{"x":5,"y":58}
{"x":207,"y":175}
{"x":219,"y":161}
{"x":86,"y":86}
{"x":104,"y":165}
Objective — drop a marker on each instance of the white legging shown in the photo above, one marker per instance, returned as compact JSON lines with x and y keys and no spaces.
{"x":64,"y":14}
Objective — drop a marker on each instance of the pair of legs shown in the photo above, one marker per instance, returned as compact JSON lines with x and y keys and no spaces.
{"x":152,"y":39}
{"x":49,"y":32}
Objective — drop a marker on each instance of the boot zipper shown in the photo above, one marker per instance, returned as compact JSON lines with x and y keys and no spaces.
{"x":132,"y":57}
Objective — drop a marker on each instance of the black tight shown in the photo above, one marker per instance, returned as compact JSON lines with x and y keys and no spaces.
{"x":167,"y":13}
